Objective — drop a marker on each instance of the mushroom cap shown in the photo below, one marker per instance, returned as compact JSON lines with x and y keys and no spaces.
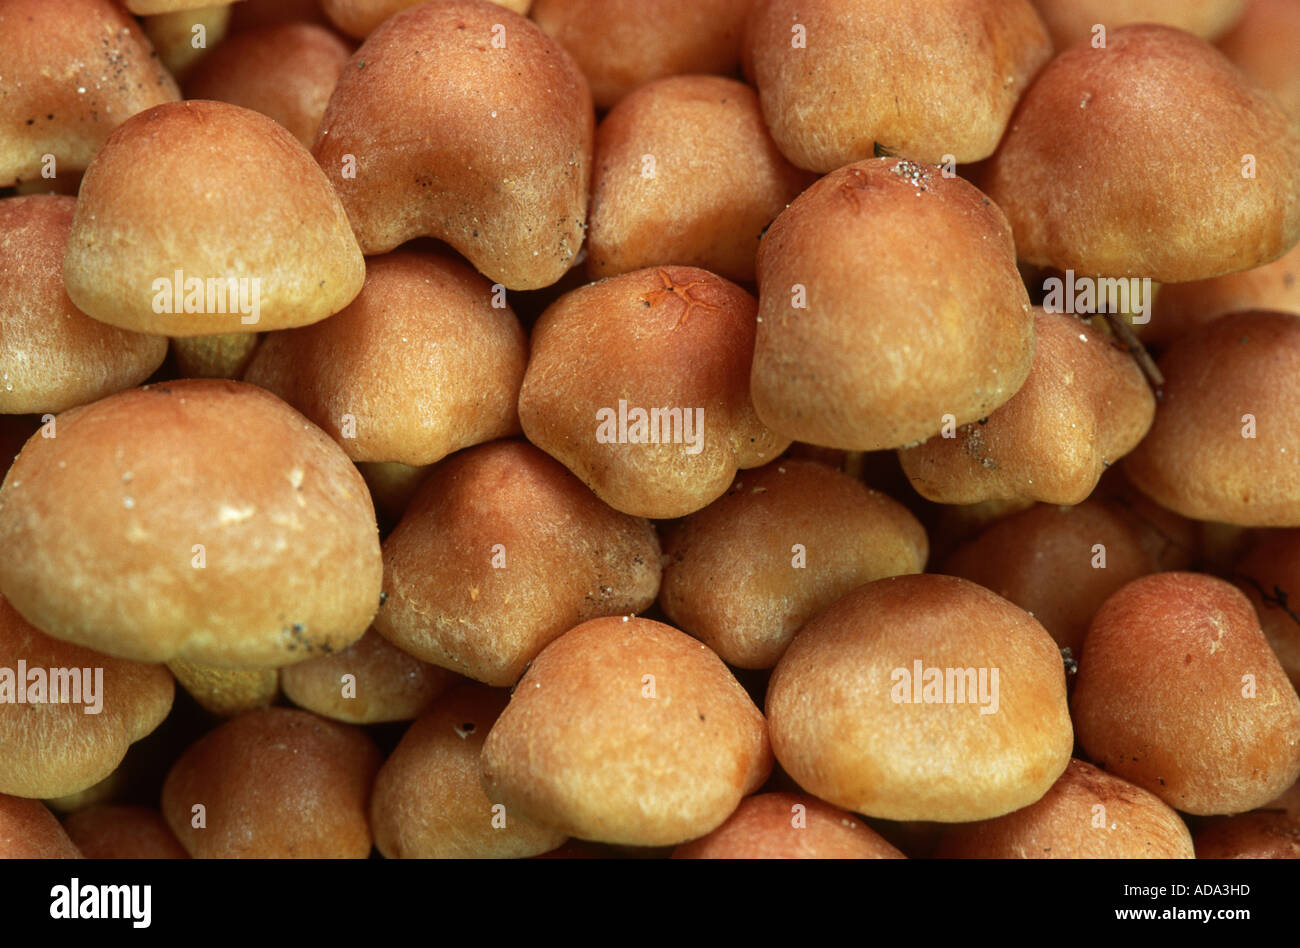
{"x":847,"y":725}
{"x":107,"y":831}
{"x":29,"y":831}
{"x":505,"y":178}
{"x":419,"y":365}
{"x":52,"y":749}
{"x":1250,"y":836}
{"x":1133,"y":160}
{"x":1204,"y":458}
{"x":1270,"y":576}
{"x":253,"y":774}
{"x":192,"y":194}
{"x":785,"y":542}
{"x":102,"y":527}
{"x":624,"y":730}
{"x":1070,"y":21}
{"x":358,"y":18}
{"x":868,"y":336}
{"x":428,"y":801}
{"x":223,"y":356}
{"x":226,"y":692}
{"x":501,"y":552}
{"x":1135,"y":824}
{"x":716,"y":181}
{"x":52,"y":355}
{"x":74,"y":71}
{"x":1263,"y":45}
{"x":1084,"y":405}
{"x":931,"y":82}
{"x":789,"y":826}
{"x":666,"y":338}
{"x":154,"y":7}
{"x":176,"y":41}
{"x":1179,"y":693}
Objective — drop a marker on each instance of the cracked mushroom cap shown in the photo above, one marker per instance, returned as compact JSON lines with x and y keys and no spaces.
{"x":931,"y":82}
{"x":1070,"y":21}
{"x":1270,"y":575}
{"x":52,"y":355}
{"x":188,"y":196}
{"x":1153,"y":157}
{"x":789,"y":826}
{"x":200,"y":519}
{"x":74,"y":71}
{"x":627,"y":731}
{"x":639,"y":385}
{"x":889,"y":302}
{"x":29,"y":831}
{"x":503,"y":179}
{"x":1179,"y":693}
{"x":108,"y":831}
{"x":421,"y":364}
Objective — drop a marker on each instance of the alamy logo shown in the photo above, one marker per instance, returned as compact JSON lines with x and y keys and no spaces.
{"x":103,"y":901}
{"x":921,"y":685}
{"x":36,"y":685}
{"x":181,"y":294}
{"x":1084,"y":296}
{"x":656,"y":426}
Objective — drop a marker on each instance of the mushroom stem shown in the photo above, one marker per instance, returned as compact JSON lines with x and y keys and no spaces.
{"x":1125,"y":334}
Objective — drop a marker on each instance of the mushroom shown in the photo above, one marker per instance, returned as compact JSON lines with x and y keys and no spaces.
{"x":107,"y":831}
{"x":869,"y":337}
{"x":154,"y":7}
{"x":174,"y":521}
{"x":199,"y":218}
{"x":1071,"y":21}
{"x":53,"y":356}
{"x":226,"y":692}
{"x":624,"y":730}
{"x":428,"y":802}
{"x":74,"y":71}
{"x":29,"y":831}
{"x":1263,"y":45}
{"x":501,"y":551}
{"x":1250,"y":836}
{"x":1270,"y":576}
{"x":1179,"y":693}
{"x":504,"y":180}
{"x":223,"y":356}
{"x":421,"y":364}
{"x":935,"y":83}
{"x":786,"y":541}
{"x":186,"y":37}
{"x":849,"y":703}
{"x":239,"y":792}
{"x":789,"y":826}
{"x":392,"y":485}
{"x":359,"y":18}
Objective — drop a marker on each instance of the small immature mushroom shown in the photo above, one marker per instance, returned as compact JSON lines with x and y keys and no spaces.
{"x":1071,"y":21}
{"x":1179,"y":693}
{"x":428,"y":801}
{"x":226,"y":692}
{"x":154,"y":7}
{"x":623,"y":44}
{"x":286,"y":72}
{"x":922,"y":698}
{"x":223,"y":356}
{"x":686,"y":173}
{"x":239,"y":791}
{"x":1084,"y":405}
{"x":53,"y":356}
{"x":1152,"y":157}
{"x":106,"y":831}
{"x":639,"y":385}
{"x":29,"y":831}
{"x":67,"y":714}
{"x":174,"y":521}
{"x":392,"y":486}
{"x":869,"y":337}
{"x":186,"y":37}
{"x":932,"y":82}
{"x":1225,"y":445}
{"x":787,"y":540}
{"x":789,"y":826}
{"x":104,"y":791}
{"x":1250,"y":836}
{"x":504,"y":180}
{"x":359,"y":18}
{"x":1263,"y":45}
{"x":198,"y":218}
{"x":73,"y":71}
{"x":627,"y":731}
{"x":421,"y":364}
{"x":501,"y":551}
{"x":1270,"y":575}
{"x":1087,"y":814}
{"x":369,"y":682}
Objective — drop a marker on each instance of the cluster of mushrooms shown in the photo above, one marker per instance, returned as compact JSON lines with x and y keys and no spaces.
{"x":642,"y":427}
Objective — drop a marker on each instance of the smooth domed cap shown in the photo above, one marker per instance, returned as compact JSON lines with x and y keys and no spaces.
{"x":252,"y":776}
{"x":67,"y":714}
{"x":1153,"y":157}
{"x":868,"y":338}
{"x":786,"y":541}
{"x":188,"y":196}
{"x":789,"y":826}
{"x":639,"y":385}
{"x":199,"y":519}
{"x":359,"y":18}
{"x":1070,"y":21}
{"x":628,"y":731}
{"x":1179,"y":692}
{"x":1225,"y":445}
{"x":29,"y":831}
{"x":421,"y":364}
{"x":1087,"y":814}
{"x":428,"y":801}
{"x":502,"y":551}
{"x":505,"y":178}
{"x":107,"y":831}
{"x":52,"y":355}
{"x":1270,"y":575}
{"x":922,"y":698}
{"x":73,"y":71}
{"x":931,"y":82}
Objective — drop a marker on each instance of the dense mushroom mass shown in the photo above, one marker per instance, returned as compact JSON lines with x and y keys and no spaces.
{"x":697,"y":429}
